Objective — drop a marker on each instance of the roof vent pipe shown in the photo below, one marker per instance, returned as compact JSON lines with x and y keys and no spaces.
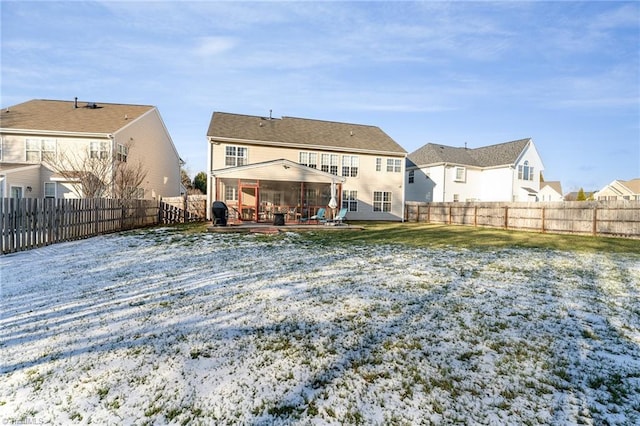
{"x":75,"y":102}
{"x":270,"y":112}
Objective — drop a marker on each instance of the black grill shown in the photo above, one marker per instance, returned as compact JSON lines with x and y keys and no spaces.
{"x":219,"y":213}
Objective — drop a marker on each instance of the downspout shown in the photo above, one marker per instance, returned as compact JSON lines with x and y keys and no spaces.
{"x":514,"y":175}
{"x":444,"y":182}
{"x":404,"y":187}
{"x":211,"y":181}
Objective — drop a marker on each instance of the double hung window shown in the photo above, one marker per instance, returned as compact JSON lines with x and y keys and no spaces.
{"x":350,"y":165}
{"x":40,"y":150}
{"x":350,"y":200}
{"x":329,"y":163}
{"x":381,"y":201}
{"x":235,"y":156}
{"x":123,"y":153}
{"x":100,"y":150}
{"x":309,"y":159}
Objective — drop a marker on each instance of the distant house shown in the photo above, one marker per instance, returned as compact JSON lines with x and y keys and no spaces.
{"x":504,"y":172}
{"x":71,"y":149}
{"x":573,"y":195}
{"x":260,"y":166}
{"x":620,"y":190}
{"x":550,"y":191}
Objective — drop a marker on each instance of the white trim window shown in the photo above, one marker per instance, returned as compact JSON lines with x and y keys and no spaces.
{"x":525,"y":172}
{"x":350,"y":165}
{"x":412,"y":176}
{"x":235,"y":156}
{"x":461,"y":174}
{"x":381,"y":201}
{"x":37,"y":150}
{"x":123,"y":153}
{"x":350,"y":200}
{"x":329,"y":163}
{"x":99,"y":149}
{"x":378,"y":164}
{"x":390,"y":165}
{"x":394,"y":165}
{"x":230,"y":192}
{"x":309,"y":159}
{"x":50,"y":190}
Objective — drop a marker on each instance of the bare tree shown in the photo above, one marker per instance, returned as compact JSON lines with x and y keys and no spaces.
{"x":96,"y":172}
{"x":128,"y":179}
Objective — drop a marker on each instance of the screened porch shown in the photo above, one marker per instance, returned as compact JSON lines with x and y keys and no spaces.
{"x":259,"y":200}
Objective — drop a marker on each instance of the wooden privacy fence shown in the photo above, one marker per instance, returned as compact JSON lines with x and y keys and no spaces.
{"x":30,"y":222}
{"x":192,"y":208}
{"x":612,"y":218}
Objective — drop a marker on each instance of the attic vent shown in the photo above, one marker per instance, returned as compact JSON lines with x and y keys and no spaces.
{"x":91,"y":105}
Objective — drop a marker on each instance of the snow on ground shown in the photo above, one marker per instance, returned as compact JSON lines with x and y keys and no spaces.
{"x":158,"y":326}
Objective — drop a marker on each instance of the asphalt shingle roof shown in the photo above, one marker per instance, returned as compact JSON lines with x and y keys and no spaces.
{"x":301,"y":131}
{"x":633,"y":185}
{"x":61,"y":116}
{"x":553,"y":184}
{"x":487,"y":156}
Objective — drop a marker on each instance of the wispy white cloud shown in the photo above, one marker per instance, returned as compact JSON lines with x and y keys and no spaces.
{"x":213,"y":46}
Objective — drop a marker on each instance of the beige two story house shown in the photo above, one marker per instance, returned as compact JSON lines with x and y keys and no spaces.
{"x":620,"y":190}
{"x":72,"y":149}
{"x":260,"y":166}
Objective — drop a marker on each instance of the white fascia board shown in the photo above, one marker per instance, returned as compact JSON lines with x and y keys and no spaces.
{"x":445,"y":164}
{"x":55,"y":133}
{"x":283,"y":162}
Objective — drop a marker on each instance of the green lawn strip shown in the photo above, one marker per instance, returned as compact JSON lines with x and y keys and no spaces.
{"x":436,"y":235}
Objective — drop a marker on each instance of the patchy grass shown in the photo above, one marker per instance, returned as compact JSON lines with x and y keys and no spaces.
{"x":391,"y":325}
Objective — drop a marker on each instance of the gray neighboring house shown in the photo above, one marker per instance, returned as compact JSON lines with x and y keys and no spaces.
{"x":507,"y":171}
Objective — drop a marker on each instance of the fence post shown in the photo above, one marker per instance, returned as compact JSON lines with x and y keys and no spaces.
{"x":506,"y":217}
{"x":594,"y":230}
{"x":542,"y":225}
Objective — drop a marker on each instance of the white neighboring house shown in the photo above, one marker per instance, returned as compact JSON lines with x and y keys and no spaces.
{"x":619,"y":190}
{"x":508,"y":171}
{"x":37,"y":134}
{"x":550,"y":191}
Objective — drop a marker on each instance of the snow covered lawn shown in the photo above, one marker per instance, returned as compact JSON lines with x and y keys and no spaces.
{"x":159,"y":326}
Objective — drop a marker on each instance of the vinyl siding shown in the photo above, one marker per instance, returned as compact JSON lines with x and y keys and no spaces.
{"x":366,"y":183}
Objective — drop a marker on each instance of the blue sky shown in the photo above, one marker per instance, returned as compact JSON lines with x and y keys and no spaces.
{"x":566,"y":74}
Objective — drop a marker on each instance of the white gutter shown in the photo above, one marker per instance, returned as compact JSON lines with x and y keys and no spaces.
{"x":55,"y":133}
